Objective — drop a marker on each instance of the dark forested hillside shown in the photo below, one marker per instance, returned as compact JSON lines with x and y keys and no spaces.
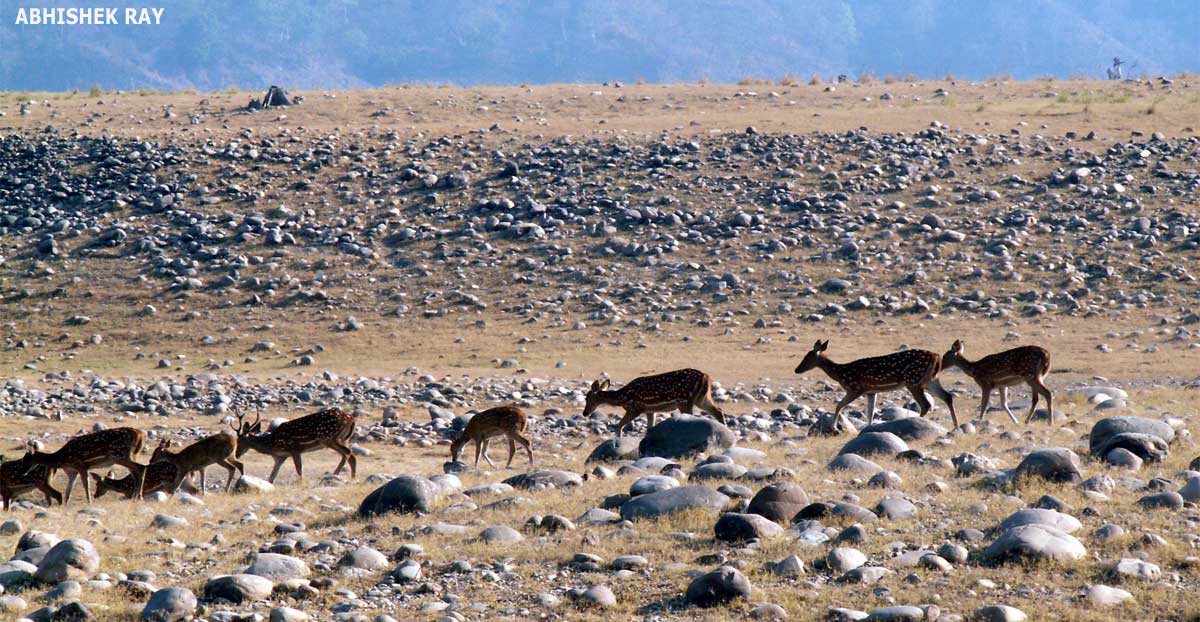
{"x":211,"y":44}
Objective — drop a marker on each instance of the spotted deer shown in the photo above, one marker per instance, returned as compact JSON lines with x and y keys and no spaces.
{"x":915,"y":370}
{"x":93,"y":451}
{"x":217,"y":449}
{"x":507,"y":421}
{"x":160,"y":476}
{"x":17,"y":477}
{"x":682,"y":389}
{"x":328,"y":428}
{"x":1028,"y":364}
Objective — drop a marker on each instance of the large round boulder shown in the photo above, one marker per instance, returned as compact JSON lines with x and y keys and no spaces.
{"x":616,"y":449}
{"x":1108,"y":434}
{"x":277,"y":567}
{"x":75,"y":559}
{"x":1034,"y":542}
{"x":363,"y":558}
{"x":1037,"y":516}
{"x":1146,"y":447}
{"x":718,"y":587}
{"x":238,"y":588}
{"x":874,"y":444}
{"x":909,"y":428}
{"x":544,"y":480}
{"x":665,"y":502}
{"x":652,"y":483}
{"x":686,"y":435}
{"x":734,"y":527}
{"x":853,"y":463}
{"x":1054,"y":464}
{"x":778,"y":502}
{"x":407,"y":494}
{"x":170,"y":604}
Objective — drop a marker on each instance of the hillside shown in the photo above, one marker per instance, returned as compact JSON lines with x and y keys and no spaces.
{"x":211,"y":45}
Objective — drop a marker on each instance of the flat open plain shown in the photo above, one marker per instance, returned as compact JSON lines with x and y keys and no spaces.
{"x":415,"y":254}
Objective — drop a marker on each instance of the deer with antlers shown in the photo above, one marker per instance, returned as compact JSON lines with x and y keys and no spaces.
{"x":93,"y":451}
{"x":160,"y":476}
{"x":19,"y":476}
{"x":1028,"y":364}
{"x":682,"y":389}
{"x":915,"y":370}
{"x":328,"y":428}
{"x":219,"y":449}
{"x":507,"y":421}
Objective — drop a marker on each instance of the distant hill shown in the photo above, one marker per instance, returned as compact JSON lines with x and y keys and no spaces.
{"x":213,"y":44}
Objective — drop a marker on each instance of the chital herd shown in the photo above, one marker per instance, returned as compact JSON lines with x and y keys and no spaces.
{"x":684,"y":390}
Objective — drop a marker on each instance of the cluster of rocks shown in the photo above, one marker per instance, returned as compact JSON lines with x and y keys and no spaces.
{"x":917,"y":222}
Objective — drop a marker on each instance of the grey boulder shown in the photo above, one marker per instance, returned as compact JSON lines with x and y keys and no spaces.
{"x":658,"y":504}
{"x":1053,"y":464}
{"x":778,"y":502}
{"x":406,"y":494}
{"x":718,"y":587}
{"x":1034,"y":542}
{"x":869,"y":444}
{"x":75,"y":559}
{"x":170,"y":604}
{"x":238,"y":588}
{"x":734,"y":527}
{"x":686,"y":435}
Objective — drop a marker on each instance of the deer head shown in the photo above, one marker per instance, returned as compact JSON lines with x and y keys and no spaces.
{"x":954,"y":356}
{"x":813,"y":358}
{"x":592,"y":400}
{"x":246,"y":432}
{"x":101,"y":484}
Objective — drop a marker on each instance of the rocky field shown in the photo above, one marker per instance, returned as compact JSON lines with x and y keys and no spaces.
{"x":417,"y":254}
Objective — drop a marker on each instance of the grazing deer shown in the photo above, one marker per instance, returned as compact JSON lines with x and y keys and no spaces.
{"x":159,"y":476}
{"x":328,"y":428}
{"x":508,"y":421}
{"x":915,"y":370}
{"x":682,"y":389}
{"x":219,"y":449}
{"x":96,"y":450}
{"x":1028,"y":364}
{"x":17,"y":476}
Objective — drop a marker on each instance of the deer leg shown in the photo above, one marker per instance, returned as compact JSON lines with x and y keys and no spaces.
{"x":512,"y":451}
{"x":87,"y":494}
{"x":228,"y":463}
{"x":650,"y":420}
{"x":850,"y":396}
{"x":138,"y":471}
{"x":352,"y":461}
{"x":347,"y":458}
{"x":870,"y":408}
{"x":939,"y":392}
{"x":710,"y":407}
{"x":52,"y":495}
{"x":487,"y":442}
{"x":986,"y":397}
{"x":630,"y":415}
{"x":527,"y":445}
{"x":1004,"y":403}
{"x":1040,"y":387}
{"x":299,"y":465}
{"x":71,"y":475}
{"x":275,"y":470}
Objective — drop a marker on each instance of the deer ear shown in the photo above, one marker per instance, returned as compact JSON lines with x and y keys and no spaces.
{"x":824,"y":346}
{"x":595,"y":385}
{"x":957,"y":347}
{"x":607,"y":383}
